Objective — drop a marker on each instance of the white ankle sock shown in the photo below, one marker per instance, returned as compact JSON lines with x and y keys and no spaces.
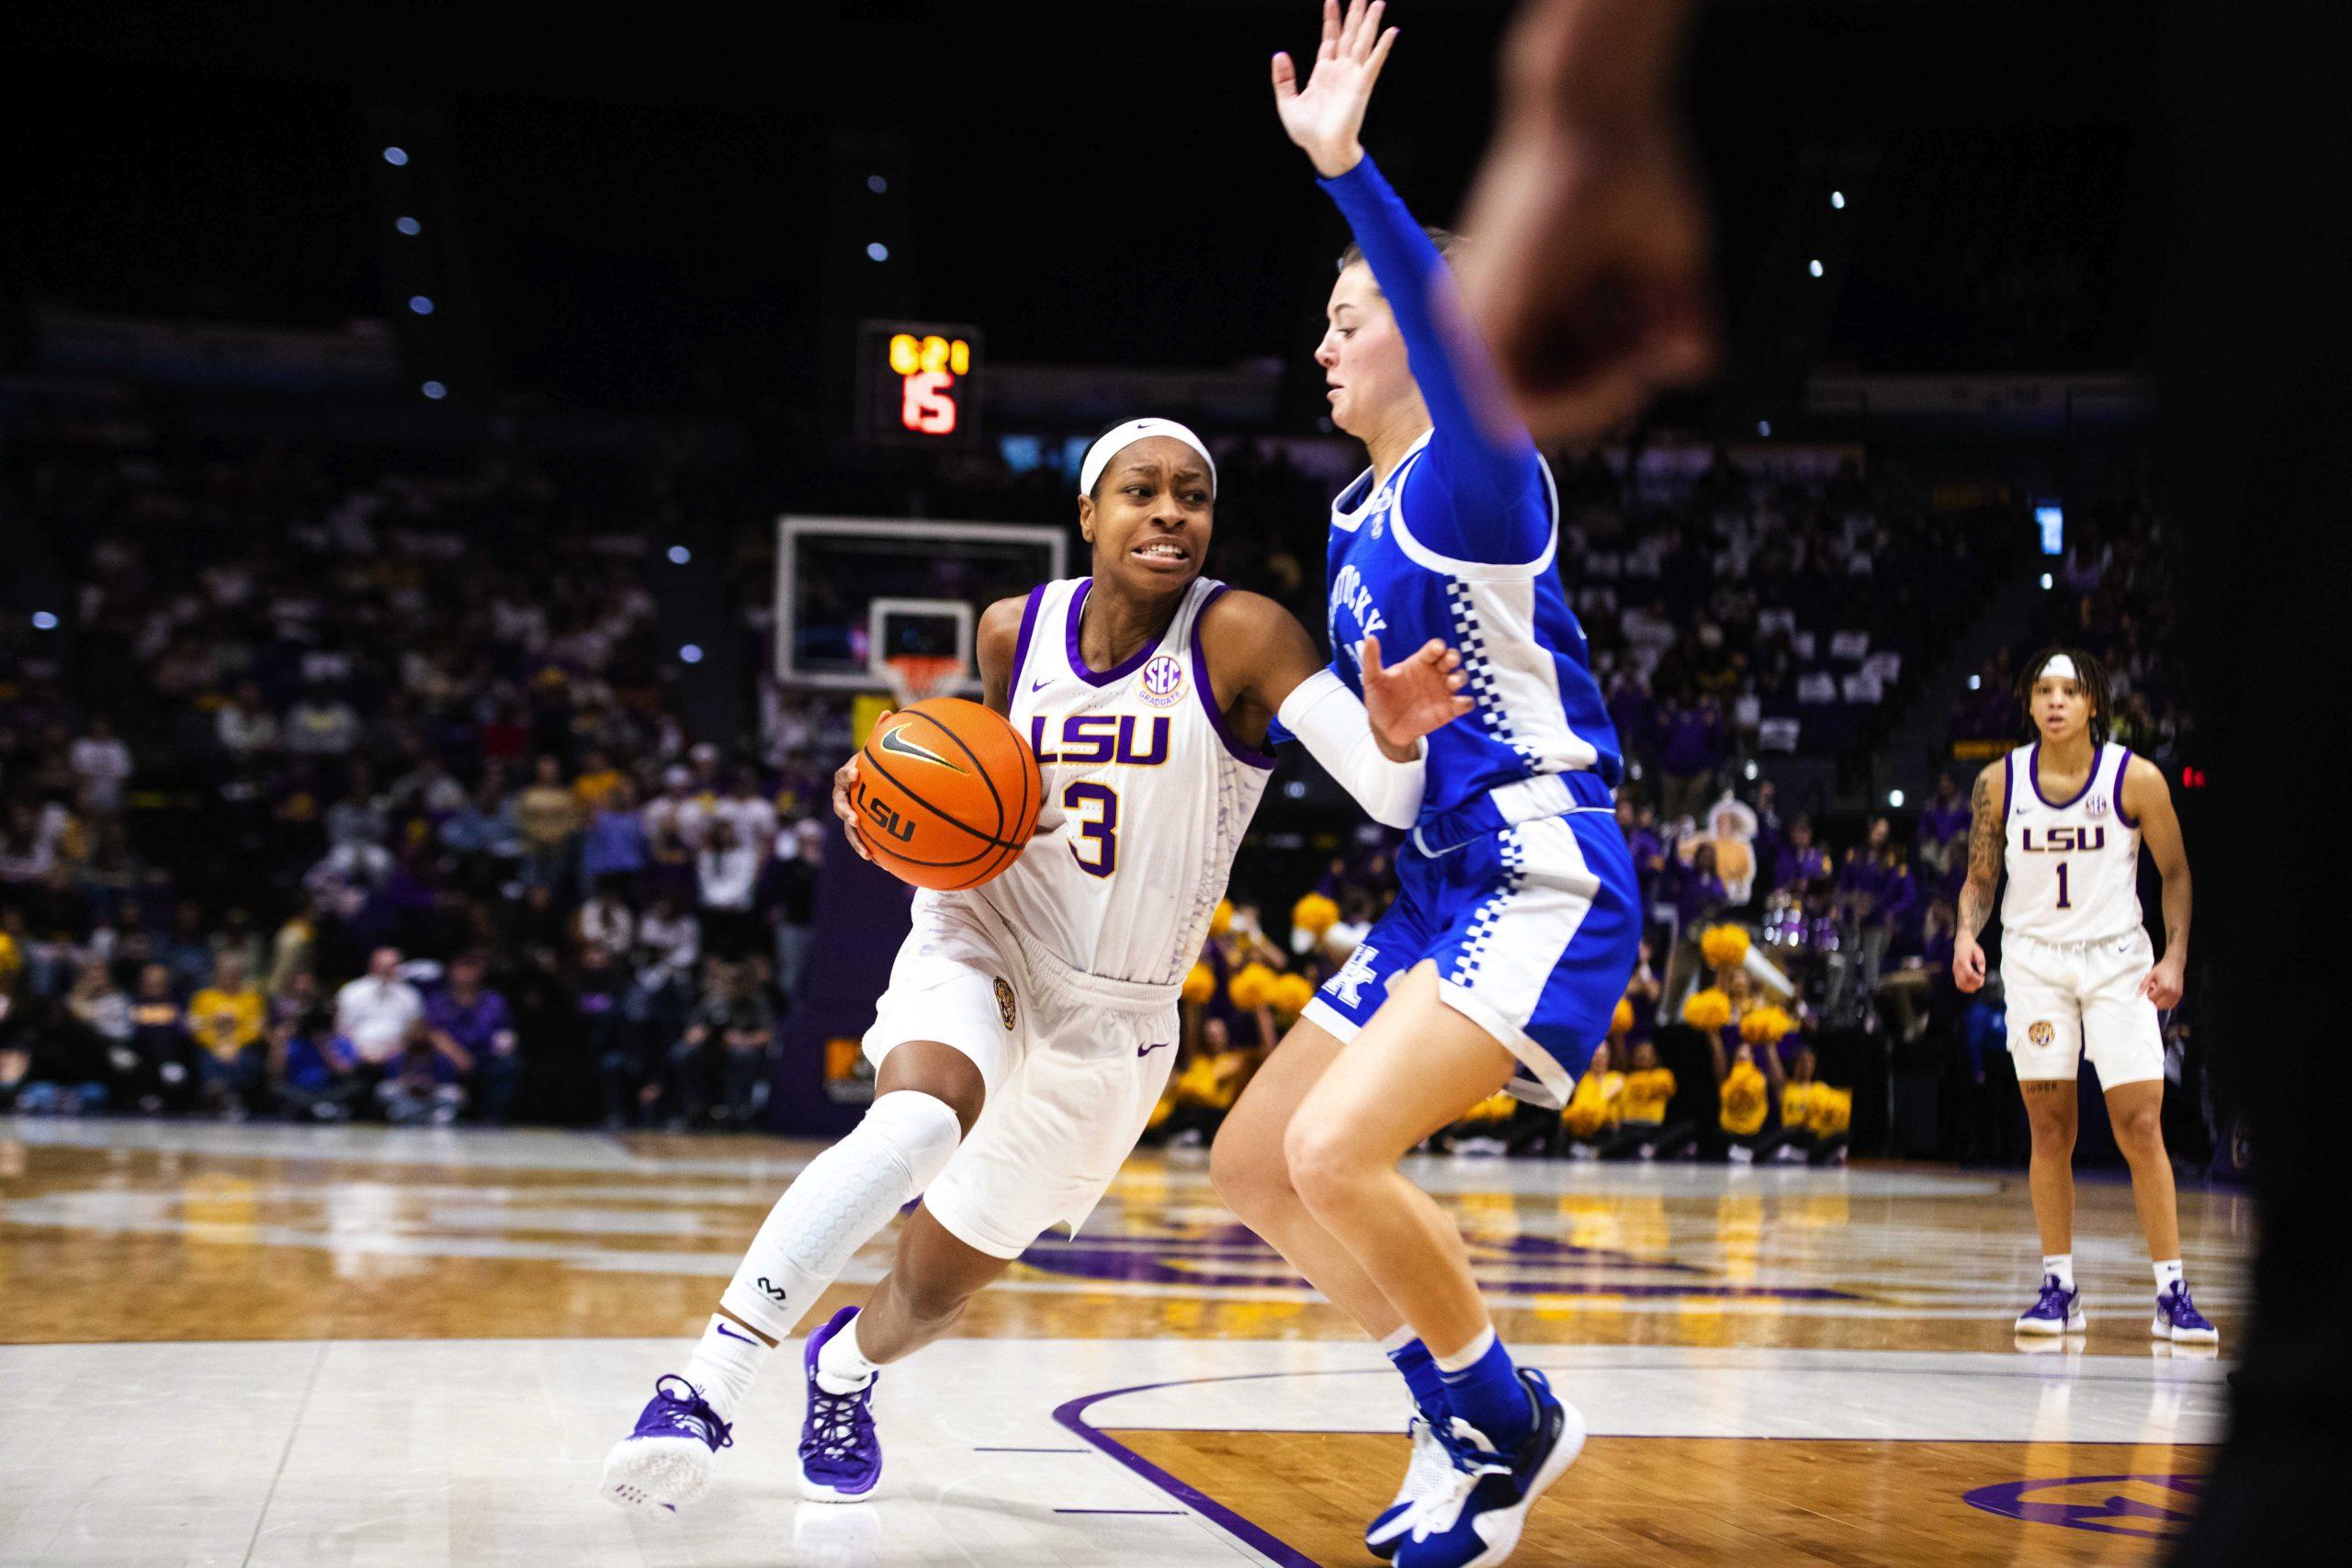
{"x":2062,"y":1265}
{"x":1398,"y":1340}
{"x":2168,"y":1275}
{"x":842,"y":1366}
{"x":1467,"y":1357}
{"x":839,"y":1202}
{"x":723,"y":1365}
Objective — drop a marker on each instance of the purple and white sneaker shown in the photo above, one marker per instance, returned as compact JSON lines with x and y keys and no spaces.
{"x":2058,"y":1310}
{"x":2178,"y":1320}
{"x":841,"y":1458}
{"x":667,"y":1460}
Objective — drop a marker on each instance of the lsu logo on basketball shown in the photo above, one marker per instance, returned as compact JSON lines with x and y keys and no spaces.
{"x":2066,"y":840}
{"x":879,"y":813}
{"x":1004,"y":1008}
{"x":1162,"y":681}
{"x":2042,"y":1034}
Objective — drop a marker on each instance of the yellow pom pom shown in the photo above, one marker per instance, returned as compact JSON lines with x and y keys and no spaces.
{"x":1723,"y":947}
{"x":1766,"y":1025}
{"x":1200,"y":985}
{"x":1709,"y":1009}
{"x":1291,"y":995}
{"x":1252,"y":987}
{"x":1221,"y":921}
{"x":1315,"y":914}
{"x":1621,"y":1021}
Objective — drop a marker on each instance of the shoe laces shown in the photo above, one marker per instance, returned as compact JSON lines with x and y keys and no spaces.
{"x":1433,"y":1463}
{"x":691,"y":1413}
{"x":2054,"y":1297}
{"x":2182,"y":1309}
{"x":1470,"y":1462}
{"x":834,"y":1418}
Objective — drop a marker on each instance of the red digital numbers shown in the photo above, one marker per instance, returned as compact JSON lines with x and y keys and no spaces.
{"x":927,"y":403}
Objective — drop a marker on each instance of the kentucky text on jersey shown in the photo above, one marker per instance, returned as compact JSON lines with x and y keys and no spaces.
{"x":1459,"y":543}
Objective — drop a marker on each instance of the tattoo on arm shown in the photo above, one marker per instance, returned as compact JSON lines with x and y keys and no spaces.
{"x":1984,"y":846}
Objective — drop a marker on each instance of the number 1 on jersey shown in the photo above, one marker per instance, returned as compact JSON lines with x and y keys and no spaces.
{"x":2062,"y":902}
{"x":1103,"y":827}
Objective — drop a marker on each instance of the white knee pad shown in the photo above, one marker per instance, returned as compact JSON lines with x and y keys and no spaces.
{"x":921,"y":1127}
{"x":837,"y":1204}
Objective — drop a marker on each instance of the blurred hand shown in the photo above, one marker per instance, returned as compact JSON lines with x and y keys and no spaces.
{"x":845,"y":783}
{"x":1968,"y":964}
{"x":1325,"y":115}
{"x":1589,"y":273}
{"x":2165,"y":982}
{"x":1407,"y":701}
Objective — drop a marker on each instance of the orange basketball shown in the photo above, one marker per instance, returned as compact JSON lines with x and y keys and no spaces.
{"x":948,"y":793}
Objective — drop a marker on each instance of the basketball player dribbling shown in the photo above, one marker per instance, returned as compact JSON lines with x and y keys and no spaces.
{"x":1517,"y":923}
{"x":2065,"y":817}
{"x":1029,"y":1023}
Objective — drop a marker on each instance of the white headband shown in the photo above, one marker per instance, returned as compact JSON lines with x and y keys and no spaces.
{"x":2060,"y":667}
{"x":1118,"y":438}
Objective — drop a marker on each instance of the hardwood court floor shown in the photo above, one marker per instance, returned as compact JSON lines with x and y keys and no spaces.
{"x":352,"y":1345}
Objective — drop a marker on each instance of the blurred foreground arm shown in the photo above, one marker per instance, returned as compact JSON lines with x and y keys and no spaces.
{"x":1593,"y":280}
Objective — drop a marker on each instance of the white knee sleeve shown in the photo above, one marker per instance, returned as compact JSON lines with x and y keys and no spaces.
{"x":837,"y":1204}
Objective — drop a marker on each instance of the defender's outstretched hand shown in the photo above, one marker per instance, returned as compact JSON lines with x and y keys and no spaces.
{"x":1325,"y":115}
{"x":1407,"y":701}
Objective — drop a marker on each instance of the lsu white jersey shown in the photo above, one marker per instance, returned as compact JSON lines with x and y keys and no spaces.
{"x":1147,"y":796}
{"x":2074,"y":864}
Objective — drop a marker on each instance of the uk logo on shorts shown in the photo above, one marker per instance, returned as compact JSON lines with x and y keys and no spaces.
{"x":2040,"y":1034}
{"x":1004,"y":1008}
{"x":1163,"y":681}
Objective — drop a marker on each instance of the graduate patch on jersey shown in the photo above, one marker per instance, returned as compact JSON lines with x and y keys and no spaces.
{"x":1004,"y":1008}
{"x":2040,"y":1033}
{"x":1161,"y":684}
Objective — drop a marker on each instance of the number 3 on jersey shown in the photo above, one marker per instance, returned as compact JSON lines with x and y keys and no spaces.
{"x":1103,"y":825}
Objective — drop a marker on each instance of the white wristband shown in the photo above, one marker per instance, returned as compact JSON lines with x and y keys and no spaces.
{"x":1330,"y":721}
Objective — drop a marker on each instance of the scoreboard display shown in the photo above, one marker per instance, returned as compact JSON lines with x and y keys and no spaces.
{"x":918,"y":384}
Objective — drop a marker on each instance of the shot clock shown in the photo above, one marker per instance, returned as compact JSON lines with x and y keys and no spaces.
{"x":918,"y":384}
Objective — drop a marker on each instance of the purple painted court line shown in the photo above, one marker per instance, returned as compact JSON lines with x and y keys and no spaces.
{"x":1073,"y":1415}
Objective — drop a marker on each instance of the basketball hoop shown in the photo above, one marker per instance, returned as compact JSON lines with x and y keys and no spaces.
{"x":914,"y":676}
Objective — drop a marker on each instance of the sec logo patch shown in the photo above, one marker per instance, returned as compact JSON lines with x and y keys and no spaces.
{"x":1162,"y":683}
{"x":2040,"y":1033}
{"x":1004,"y":1008}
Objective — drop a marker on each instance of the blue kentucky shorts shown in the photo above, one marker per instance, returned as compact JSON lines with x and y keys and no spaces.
{"x":1534,"y":928}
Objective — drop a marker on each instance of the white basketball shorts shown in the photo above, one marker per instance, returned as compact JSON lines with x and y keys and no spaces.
{"x":2081,"y":1000}
{"x":1073,"y":1065}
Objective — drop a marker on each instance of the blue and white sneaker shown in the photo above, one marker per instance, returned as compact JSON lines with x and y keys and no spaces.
{"x":667,"y":1460}
{"x":1475,"y":1521}
{"x":1429,"y":1472}
{"x":2058,"y":1310}
{"x":841,"y":1458}
{"x":2178,"y":1320}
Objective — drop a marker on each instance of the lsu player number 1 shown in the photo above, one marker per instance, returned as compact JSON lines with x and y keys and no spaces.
{"x":1100,"y":825}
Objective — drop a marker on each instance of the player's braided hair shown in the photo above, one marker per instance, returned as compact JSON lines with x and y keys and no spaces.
{"x":2087,"y":669}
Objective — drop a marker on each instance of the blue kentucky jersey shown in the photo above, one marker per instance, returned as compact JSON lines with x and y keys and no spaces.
{"x":1538,"y":709}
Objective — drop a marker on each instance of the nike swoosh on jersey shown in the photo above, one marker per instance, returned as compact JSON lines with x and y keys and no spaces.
{"x":1041,"y":684}
{"x":1148,"y":1050}
{"x":895,"y":740}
